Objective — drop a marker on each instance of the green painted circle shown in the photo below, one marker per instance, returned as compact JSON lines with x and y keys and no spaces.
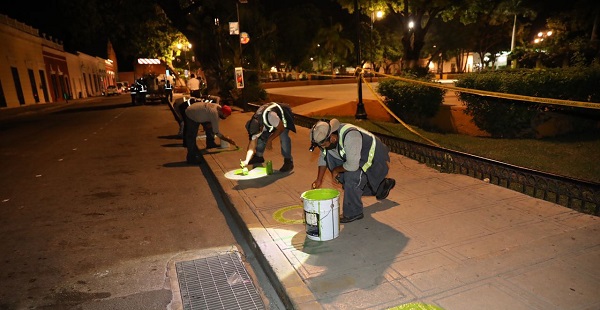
{"x":320,"y":194}
{"x":278,"y":215}
{"x":416,"y":306}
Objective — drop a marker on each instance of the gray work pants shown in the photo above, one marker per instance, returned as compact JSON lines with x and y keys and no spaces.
{"x":355,"y":185}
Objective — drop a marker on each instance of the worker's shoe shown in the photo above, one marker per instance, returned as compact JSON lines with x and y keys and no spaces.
{"x":256,"y":160}
{"x":288,"y":165}
{"x":344,"y":219}
{"x":384,"y":188}
{"x":212,"y":145}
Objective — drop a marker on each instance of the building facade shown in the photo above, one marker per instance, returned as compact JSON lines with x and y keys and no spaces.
{"x":35,"y":69}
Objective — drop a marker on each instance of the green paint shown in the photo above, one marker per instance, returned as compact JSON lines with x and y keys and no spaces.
{"x":278,"y":216}
{"x":416,"y":306}
{"x":320,"y":194}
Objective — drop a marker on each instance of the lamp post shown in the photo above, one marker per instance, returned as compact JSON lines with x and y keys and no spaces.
{"x":185,"y":48}
{"x":360,"y":107}
{"x":541,"y":36}
{"x":379,"y":15}
{"x":237,"y":9}
{"x":539,"y":39}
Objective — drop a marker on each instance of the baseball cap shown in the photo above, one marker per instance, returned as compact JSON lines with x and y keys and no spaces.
{"x":322,"y":130}
{"x":226,"y":110}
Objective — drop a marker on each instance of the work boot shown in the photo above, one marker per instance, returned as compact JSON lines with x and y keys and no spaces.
{"x":256,"y":160}
{"x":288,"y":165}
{"x":384,"y":188}
{"x":212,"y":145}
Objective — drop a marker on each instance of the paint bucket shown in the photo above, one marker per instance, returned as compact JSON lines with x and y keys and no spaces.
{"x":321,"y":213}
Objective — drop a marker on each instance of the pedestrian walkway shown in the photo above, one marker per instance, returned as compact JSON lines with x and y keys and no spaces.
{"x":445,"y":240}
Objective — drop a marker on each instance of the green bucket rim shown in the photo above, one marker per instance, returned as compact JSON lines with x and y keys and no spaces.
{"x":320,"y":194}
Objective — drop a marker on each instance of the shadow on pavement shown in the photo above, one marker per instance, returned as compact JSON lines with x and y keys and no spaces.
{"x":172,"y":137}
{"x":179,"y":164}
{"x":330,"y":278}
{"x":173,"y":145}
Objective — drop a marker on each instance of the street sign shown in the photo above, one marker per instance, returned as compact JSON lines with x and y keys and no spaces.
{"x":239,"y":77}
{"x":244,"y":38}
{"x":234,"y":28}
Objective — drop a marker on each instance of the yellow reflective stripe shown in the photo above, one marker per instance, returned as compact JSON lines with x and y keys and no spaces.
{"x":369,"y":162}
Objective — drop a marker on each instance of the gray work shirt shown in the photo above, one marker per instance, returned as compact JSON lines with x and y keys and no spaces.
{"x":202,"y":112}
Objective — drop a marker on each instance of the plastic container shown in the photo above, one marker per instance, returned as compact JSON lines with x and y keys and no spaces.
{"x":269,"y":167}
{"x":321,"y":213}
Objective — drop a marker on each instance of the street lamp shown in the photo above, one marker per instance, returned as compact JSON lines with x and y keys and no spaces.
{"x":538,"y":40}
{"x":411,"y":25}
{"x":379,"y":15}
{"x":360,"y":107}
{"x":541,"y":36}
{"x":185,"y":48}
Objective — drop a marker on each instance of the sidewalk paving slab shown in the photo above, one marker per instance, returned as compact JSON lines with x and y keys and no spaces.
{"x":443,"y":239}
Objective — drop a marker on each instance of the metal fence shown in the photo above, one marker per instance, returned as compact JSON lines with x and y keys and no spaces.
{"x":576,"y":194}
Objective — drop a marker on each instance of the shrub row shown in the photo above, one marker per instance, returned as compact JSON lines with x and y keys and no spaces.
{"x":413,"y":103}
{"x":513,"y":118}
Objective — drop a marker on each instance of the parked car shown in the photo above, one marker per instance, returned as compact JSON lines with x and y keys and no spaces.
{"x":122,"y":87}
{"x":112,"y":90}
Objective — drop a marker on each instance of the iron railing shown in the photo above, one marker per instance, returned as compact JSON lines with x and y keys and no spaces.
{"x":579,"y":195}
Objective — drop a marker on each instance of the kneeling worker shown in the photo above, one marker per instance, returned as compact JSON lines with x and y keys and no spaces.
{"x":357,"y":159}
{"x":208,"y":115}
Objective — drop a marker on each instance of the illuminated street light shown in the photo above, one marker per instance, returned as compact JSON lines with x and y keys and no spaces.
{"x":541,"y":36}
{"x":185,"y":48}
{"x":378,"y":15}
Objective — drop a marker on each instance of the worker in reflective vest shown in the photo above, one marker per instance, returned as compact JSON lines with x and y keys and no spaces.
{"x":357,"y":159}
{"x":270,"y":121}
{"x":141,"y":92}
{"x":169,"y":89}
{"x":133,"y":92}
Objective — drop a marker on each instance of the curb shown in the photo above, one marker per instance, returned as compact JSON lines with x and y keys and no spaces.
{"x":275,"y":265}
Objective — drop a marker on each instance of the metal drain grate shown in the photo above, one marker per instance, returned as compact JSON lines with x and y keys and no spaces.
{"x":218,"y":282}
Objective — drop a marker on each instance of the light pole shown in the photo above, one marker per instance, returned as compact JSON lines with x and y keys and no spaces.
{"x":379,"y":15}
{"x":237,"y":9}
{"x":360,"y":107}
{"x":539,"y":39}
{"x":185,"y":48}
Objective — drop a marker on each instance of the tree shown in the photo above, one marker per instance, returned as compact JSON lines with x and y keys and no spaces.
{"x":414,"y":20}
{"x":331,"y":42}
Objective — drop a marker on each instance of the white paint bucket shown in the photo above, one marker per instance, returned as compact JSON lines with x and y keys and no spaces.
{"x":321,"y":213}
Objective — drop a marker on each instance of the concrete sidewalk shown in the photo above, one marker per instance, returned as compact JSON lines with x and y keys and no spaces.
{"x":440,"y":239}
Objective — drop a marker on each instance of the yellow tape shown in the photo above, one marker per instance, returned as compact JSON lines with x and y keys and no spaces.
{"x":569,"y":103}
{"x":395,"y":116}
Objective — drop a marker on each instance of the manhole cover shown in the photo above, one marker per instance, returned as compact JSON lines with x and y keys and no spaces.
{"x":217,"y":282}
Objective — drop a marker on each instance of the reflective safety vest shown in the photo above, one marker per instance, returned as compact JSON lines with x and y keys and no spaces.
{"x":266,"y":113}
{"x":282,"y":110}
{"x":344,"y":129}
